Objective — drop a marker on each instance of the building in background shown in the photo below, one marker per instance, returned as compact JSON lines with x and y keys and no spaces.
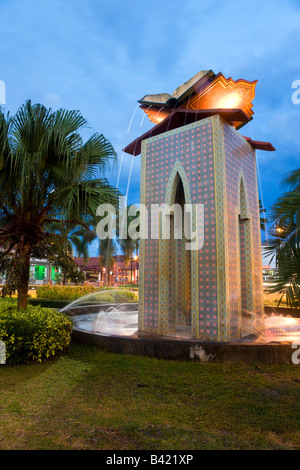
{"x":40,"y":273}
{"x":122,"y":273}
{"x":268,"y":265}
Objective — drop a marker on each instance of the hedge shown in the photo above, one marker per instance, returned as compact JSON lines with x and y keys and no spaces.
{"x":49,"y":303}
{"x":35,"y":333}
{"x":116,"y":296}
{"x":64,"y":292}
{"x":70,"y":293}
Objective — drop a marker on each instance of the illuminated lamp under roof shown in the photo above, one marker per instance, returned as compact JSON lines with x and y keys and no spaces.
{"x":204,"y":95}
{"x":205,"y":90}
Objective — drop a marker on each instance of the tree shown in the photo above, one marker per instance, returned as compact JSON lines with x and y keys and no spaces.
{"x":130,"y":245}
{"x":75,"y":241}
{"x":285,"y":247}
{"x":47,"y":174}
{"x":263,"y":220}
{"x":107,"y":251}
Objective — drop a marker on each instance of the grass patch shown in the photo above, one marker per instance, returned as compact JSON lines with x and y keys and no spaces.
{"x":90,"y":399}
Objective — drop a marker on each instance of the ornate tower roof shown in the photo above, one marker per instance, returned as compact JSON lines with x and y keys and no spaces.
{"x":203,"y":95}
{"x":205,"y":90}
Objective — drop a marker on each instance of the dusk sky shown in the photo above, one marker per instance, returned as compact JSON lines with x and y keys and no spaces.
{"x":101,"y":57}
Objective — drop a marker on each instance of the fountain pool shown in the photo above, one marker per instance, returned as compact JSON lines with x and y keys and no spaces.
{"x":114,"y":327}
{"x":113,"y":320}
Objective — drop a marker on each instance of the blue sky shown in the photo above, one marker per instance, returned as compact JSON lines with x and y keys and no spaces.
{"x":101,"y":57}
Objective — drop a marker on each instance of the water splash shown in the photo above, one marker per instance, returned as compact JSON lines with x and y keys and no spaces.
{"x":250,"y":323}
{"x":279,"y":328}
{"x":119,"y":172}
{"x":101,"y":313}
{"x":128,"y":130}
{"x":115,"y":320}
{"x":268,"y":328}
{"x":144,"y":115}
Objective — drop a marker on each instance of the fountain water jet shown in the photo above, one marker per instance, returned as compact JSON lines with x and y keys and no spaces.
{"x":93,"y":313}
{"x":114,"y":328}
{"x":268,"y":328}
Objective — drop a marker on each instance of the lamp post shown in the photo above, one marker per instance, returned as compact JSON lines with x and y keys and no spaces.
{"x":133,"y":258}
{"x":137,"y":269}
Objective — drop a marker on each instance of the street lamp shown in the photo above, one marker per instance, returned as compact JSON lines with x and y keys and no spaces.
{"x":136,"y":258}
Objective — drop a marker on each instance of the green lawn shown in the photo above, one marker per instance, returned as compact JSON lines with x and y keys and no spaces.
{"x":90,"y":399}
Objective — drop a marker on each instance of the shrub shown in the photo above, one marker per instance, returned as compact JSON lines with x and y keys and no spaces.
{"x":116,"y":296}
{"x":123,"y":296}
{"x":64,"y":292}
{"x":105,"y":298}
{"x":33,"y":334}
{"x":70,"y":293}
{"x":49,"y":303}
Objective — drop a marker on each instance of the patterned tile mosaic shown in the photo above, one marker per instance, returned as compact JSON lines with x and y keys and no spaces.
{"x":203,"y":285}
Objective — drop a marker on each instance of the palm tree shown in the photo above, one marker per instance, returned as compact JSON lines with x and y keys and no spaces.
{"x":76,"y":240}
{"x":47,"y":174}
{"x":107,"y":252}
{"x":129,"y":245}
{"x":285,"y":247}
{"x":263,"y":220}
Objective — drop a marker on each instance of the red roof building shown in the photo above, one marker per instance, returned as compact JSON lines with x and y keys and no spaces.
{"x":121,"y":273}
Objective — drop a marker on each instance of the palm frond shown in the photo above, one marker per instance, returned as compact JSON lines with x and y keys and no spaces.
{"x":291,"y":181}
{"x":82,"y":199}
{"x":285,"y":247}
{"x":48,"y":175}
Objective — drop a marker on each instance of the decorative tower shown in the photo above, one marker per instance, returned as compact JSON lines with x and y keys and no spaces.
{"x":195,"y":157}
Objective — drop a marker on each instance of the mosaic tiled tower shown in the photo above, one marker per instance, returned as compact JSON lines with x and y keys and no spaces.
{"x":196,"y":156}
